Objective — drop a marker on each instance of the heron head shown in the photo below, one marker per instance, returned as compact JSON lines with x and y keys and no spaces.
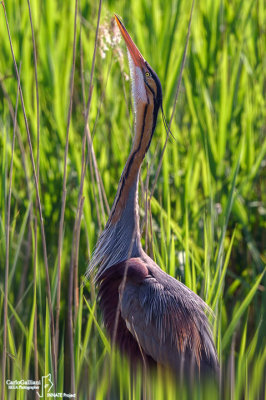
{"x":146,"y":86}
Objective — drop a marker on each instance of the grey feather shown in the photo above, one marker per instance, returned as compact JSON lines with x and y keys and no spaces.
{"x":118,"y":241}
{"x":169,"y":321}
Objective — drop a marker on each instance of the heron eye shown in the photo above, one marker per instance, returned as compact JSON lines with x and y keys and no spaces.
{"x":147,"y":73}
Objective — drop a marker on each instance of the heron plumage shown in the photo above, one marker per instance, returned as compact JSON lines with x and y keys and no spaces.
{"x":157,"y":313}
{"x":151,"y":316}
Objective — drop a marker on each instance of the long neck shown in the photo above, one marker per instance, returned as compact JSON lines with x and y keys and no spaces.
{"x":127,"y":191}
{"x":120,"y":239}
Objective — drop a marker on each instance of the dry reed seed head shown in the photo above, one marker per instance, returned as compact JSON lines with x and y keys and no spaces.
{"x":218,"y":208}
{"x":116,"y":32}
{"x":110,"y":38}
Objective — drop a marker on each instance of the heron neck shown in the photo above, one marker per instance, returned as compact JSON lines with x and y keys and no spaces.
{"x":120,"y":239}
{"x":126,"y":200}
{"x":125,"y":211}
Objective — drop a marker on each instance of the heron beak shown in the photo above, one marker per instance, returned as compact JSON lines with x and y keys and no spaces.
{"x":132,"y":48}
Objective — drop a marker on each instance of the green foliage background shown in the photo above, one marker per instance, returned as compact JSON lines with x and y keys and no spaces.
{"x":208,"y":207}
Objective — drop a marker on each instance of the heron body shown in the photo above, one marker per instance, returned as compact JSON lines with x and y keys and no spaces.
{"x":150,"y":315}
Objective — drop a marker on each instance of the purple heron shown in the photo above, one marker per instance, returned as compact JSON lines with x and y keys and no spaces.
{"x":151,"y":316}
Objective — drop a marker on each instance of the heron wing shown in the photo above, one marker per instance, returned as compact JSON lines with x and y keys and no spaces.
{"x":168,"y":321}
